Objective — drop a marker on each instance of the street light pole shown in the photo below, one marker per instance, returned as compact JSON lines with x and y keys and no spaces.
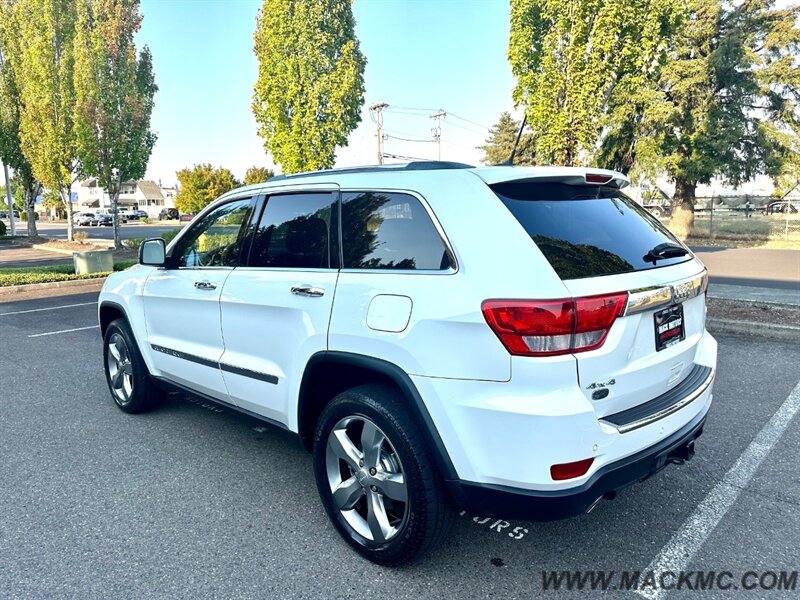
{"x":13,"y":227}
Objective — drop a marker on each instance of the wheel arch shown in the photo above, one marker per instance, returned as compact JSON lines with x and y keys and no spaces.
{"x":331,"y":372}
{"x":108,"y":312}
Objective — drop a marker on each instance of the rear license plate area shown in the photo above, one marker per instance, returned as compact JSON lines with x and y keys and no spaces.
{"x":669,"y":327}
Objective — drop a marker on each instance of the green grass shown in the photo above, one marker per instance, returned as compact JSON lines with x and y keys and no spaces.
{"x":758,"y":231}
{"x":24,"y":275}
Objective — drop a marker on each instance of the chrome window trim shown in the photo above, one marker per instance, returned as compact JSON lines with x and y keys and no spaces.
{"x":667,"y":411}
{"x":642,"y":299}
{"x":454,"y":268}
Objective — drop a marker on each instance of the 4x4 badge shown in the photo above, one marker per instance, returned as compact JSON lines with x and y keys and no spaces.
{"x":594,"y":386}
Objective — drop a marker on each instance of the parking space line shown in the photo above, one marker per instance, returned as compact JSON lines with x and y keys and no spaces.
{"x":64,"y":331}
{"x":32,"y":310}
{"x":677,"y":553}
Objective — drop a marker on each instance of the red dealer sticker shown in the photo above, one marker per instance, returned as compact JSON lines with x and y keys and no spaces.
{"x":669,"y":327}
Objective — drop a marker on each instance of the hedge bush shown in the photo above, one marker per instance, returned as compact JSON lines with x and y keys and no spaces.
{"x":24,"y":275}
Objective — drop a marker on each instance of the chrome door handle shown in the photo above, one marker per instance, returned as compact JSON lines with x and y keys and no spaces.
{"x":307,"y":290}
{"x":205,"y":285}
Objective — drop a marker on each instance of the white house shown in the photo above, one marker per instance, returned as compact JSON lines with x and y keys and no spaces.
{"x":143,"y":195}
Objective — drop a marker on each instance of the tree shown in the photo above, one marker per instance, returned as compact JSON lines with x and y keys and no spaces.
{"x":201,"y":185}
{"x":501,"y":140}
{"x":10,"y":115}
{"x":45,"y":33}
{"x":724,"y":103}
{"x":310,"y":87}
{"x":257,"y":175}
{"x":568,"y":56}
{"x":114,"y":89}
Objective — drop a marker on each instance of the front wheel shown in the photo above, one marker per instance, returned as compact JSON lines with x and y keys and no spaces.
{"x":376,"y":481}
{"x":126,"y":372}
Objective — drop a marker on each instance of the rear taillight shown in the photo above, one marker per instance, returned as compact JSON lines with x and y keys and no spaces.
{"x":553,"y":327}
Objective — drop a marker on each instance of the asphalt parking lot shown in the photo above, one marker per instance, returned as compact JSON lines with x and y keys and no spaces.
{"x":194,"y":501}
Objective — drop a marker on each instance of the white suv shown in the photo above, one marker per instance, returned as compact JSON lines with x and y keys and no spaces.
{"x":516,"y":342}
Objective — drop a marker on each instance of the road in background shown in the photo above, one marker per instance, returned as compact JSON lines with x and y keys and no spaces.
{"x":193,"y":501}
{"x":128,"y":230}
{"x":760,"y":267}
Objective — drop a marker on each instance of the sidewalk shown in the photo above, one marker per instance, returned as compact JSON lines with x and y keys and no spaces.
{"x":15,"y":256}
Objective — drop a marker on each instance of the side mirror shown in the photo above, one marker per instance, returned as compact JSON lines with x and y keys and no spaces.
{"x":153,"y":253}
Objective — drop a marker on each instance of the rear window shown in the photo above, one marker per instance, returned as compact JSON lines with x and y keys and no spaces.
{"x":585,"y":230}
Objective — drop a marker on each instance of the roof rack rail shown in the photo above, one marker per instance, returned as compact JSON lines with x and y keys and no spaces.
{"x":421,"y":165}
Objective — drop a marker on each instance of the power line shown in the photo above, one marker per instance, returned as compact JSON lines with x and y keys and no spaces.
{"x":467,"y":129}
{"x":423,"y":110}
{"x":452,"y":114}
{"x":394,"y":137}
{"x":401,"y":157}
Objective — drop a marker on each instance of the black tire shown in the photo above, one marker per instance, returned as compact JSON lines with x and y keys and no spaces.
{"x":137,"y":393}
{"x":427,"y":514}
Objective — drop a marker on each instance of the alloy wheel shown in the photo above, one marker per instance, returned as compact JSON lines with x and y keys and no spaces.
{"x":366,"y":479}
{"x":120,"y":370}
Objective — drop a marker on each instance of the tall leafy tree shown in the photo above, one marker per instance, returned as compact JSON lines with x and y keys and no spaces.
{"x":201,"y":185}
{"x":114,"y":90}
{"x":257,"y":175}
{"x":724,"y":103}
{"x":11,"y":114}
{"x":45,"y":33}
{"x":310,"y":87}
{"x":501,"y":140}
{"x":567,"y":56}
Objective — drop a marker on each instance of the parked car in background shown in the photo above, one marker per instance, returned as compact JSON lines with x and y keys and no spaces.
{"x":84,"y":218}
{"x":524,"y":352}
{"x":186,"y":218}
{"x":128,"y":214}
{"x":781,"y":206}
{"x":658,"y":208}
{"x":105,"y":220}
{"x":168,"y":214}
{"x":140,"y":214}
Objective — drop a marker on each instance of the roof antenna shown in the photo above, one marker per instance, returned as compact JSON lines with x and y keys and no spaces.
{"x":510,"y":161}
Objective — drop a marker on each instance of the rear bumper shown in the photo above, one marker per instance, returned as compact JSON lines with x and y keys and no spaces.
{"x":488,"y":500}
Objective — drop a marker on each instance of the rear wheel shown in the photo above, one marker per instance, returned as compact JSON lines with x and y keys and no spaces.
{"x":375,"y":479}
{"x":126,"y":372}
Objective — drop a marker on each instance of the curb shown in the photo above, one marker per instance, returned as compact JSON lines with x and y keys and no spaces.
{"x":49,"y":285}
{"x":781,"y":332}
{"x":769,"y":303}
{"x":50,"y":249}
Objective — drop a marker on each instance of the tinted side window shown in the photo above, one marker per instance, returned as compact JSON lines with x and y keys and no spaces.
{"x":294,"y":232}
{"x":215,"y":240}
{"x":382,"y":230}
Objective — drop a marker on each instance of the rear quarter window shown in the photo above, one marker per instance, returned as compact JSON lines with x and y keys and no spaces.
{"x":585,"y":230}
{"x":389,"y":230}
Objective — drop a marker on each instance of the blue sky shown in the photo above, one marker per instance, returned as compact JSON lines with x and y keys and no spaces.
{"x":430,"y":54}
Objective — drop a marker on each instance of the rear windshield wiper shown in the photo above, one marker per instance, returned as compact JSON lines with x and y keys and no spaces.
{"x":665,"y":250}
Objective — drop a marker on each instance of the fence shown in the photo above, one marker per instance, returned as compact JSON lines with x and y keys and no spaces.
{"x":767,"y":219}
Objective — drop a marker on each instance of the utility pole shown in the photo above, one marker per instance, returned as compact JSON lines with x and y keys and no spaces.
{"x":437,"y":132}
{"x":376,"y":109}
